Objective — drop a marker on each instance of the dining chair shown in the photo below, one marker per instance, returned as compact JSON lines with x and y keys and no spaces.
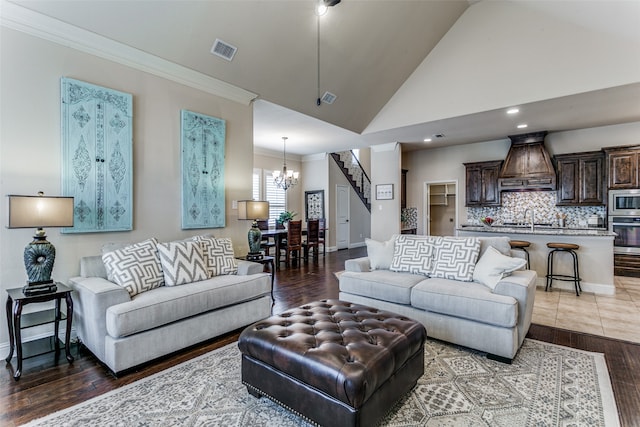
{"x":322,"y":225}
{"x":313,"y":229}
{"x":265,"y":243}
{"x":294,"y":241}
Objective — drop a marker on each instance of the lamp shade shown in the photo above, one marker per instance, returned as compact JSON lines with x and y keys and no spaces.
{"x":40,"y":211}
{"x":253,"y":209}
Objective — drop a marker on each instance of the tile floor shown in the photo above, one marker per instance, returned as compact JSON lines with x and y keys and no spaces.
{"x":615,"y":316}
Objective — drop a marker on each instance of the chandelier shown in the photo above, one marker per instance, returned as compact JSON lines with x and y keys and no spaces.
{"x":285,"y":178}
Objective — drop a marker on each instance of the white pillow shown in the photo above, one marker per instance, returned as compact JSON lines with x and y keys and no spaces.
{"x":182,"y":262}
{"x":218,"y":254}
{"x":135,"y":267}
{"x":493,"y":266}
{"x":380,"y":253}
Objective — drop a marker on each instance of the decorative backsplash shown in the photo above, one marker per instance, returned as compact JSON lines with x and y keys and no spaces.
{"x":409,"y":217}
{"x":515,"y":205}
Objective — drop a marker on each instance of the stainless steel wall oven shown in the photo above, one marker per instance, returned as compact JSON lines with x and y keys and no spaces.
{"x":624,"y":220}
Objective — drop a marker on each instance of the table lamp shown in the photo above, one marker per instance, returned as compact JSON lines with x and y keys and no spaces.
{"x":38,"y":212}
{"x":253,"y":210}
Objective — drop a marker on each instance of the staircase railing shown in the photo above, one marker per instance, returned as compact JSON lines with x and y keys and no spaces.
{"x":355,"y":174}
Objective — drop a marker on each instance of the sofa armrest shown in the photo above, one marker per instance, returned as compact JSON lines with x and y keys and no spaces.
{"x":520,"y":285}
{"x":92,"y":297}
{"x":358,"y":264}
{"x":246,"y":268}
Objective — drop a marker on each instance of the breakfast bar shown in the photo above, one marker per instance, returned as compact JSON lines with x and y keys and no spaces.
{"x":595,"y":253}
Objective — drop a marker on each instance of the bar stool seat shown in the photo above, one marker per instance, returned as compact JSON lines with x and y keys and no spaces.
{"x":521,"y":245}
{"x":570,"y":248}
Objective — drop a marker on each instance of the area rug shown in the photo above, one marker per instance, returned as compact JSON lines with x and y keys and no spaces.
{"x":547,"y":385}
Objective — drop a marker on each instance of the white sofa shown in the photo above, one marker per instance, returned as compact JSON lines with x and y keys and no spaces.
{"x":493,"y":317}
{"x":124,"y":331}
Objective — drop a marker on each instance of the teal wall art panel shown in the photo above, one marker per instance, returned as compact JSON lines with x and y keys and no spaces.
{"x":202,"y":149}
{"x":97,"y":163}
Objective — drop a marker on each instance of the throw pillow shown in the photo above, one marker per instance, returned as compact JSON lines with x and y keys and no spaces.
{"x":414,"y":254}
{"x":456,"y":258}
{"x":493,"y":266}
{"x":218,"y":254}
{"x":182,"y":262}
{"x":380,"y":253}
{"x":135,"y":267}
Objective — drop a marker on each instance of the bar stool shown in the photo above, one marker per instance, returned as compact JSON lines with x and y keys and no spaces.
{"x":568,"y":248}
{"x":521,"y":245}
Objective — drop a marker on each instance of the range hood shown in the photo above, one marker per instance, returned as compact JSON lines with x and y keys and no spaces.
{"x":528,"y":166}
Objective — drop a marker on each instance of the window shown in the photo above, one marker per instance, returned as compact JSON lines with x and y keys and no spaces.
{"x":266,"y":189}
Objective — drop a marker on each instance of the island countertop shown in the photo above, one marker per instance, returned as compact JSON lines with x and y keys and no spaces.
{"x":545,"y":230}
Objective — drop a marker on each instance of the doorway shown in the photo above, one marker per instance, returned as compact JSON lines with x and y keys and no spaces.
{"x":441,"y":213}
{"x":342,"y":217}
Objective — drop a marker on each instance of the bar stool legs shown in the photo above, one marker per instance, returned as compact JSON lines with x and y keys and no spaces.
{"x":521,"y":245}
{"x":575,"y":278}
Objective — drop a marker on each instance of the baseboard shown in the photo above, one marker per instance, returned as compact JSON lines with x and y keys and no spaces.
{"x":596,"y":288}
{"x":4,"y":347}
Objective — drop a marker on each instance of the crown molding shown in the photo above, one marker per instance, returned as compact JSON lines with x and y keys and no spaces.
{"x":36,"y":24}
{"x":390,"y":146}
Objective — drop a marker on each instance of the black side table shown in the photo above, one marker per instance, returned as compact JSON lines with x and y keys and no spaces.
{"x":16,"y":300}
{"x":269,"y":262}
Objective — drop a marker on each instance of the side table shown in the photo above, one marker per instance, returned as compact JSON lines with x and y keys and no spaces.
{"x":269,"y":261}
{"x":16,"y":300}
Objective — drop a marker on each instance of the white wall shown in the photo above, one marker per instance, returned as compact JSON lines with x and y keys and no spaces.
{"x":385,"y":169}
{"x":446,"y":163}
{"x":503,"y":53}
{"x":30,"y":150}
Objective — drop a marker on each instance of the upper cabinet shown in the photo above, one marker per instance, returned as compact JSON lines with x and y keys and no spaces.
{"x":581,"y":179}
{"x":622,"y":166}
{"x":482,"y":183}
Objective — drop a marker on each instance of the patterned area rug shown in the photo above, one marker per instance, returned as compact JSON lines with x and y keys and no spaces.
{"x":547,"y":385}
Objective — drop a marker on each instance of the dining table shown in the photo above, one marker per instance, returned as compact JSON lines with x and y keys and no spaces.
{"x":279,"y":235}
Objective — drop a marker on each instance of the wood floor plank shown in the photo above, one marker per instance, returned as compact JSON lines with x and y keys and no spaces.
{"x":46,"y":387}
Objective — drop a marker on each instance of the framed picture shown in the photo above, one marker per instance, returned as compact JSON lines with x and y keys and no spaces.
{"x":384,"y":192}
{"x":314,"y":204}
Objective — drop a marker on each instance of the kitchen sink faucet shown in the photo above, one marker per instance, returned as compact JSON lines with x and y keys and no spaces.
{"x":533,"y":216}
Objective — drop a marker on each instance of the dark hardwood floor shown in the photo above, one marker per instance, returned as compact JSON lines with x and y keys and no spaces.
{"x":47,"y":386}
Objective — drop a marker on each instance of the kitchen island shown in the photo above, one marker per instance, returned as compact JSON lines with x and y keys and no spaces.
{"x":595,"y":254}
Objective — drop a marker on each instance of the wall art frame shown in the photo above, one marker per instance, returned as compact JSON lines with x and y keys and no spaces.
{"x":97,"y":153}
{"x":202,"y":157}
{"x":384,"y":192}
{"x":314,"y":204}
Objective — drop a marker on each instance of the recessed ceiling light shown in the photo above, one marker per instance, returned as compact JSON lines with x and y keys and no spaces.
{"x":522,"y":126}
{"x":513,"y":110}
{"x":427,"y":140}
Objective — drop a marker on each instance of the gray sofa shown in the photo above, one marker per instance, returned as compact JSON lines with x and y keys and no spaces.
{"x":124,"y":331}
{"x":494,"y":319}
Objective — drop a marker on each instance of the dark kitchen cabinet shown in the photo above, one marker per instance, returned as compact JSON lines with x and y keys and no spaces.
{"x":527,"y":165}
{"x":482,"y":183}
{"x":622,"y":167}
{"x":581,"y":179}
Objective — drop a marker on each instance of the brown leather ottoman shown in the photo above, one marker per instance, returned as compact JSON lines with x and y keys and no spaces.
{"x":333,"y":362}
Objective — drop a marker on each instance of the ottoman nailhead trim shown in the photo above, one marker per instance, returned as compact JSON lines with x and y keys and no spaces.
{"x":281,"y":404}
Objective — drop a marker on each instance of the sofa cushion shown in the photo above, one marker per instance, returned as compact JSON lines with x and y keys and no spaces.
{"x":182,"y":262}
{"x":456,"y":258}
{"x":493,"y":266}
{"x":414,"y":254}
{"x":380,"y":253}
{"x":135,"y":267}
{"x":501,"y":243}
{"x":471,"y":300}
{"x":172,"y":303}
{"x":218,"y":253}
{"x":380,"y":284}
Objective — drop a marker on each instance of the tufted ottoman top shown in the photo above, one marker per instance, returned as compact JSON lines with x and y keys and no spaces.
{"x":345,"y":350}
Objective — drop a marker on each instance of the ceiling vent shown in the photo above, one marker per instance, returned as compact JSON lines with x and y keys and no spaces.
{"x":223,"y":49}
{"x":328,"y":98}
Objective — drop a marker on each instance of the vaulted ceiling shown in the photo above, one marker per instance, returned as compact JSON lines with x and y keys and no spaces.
{"x":367,"y":50}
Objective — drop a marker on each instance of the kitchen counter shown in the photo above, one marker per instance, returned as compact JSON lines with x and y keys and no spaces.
{"x":566,"y":231}
{"x":595,"y":254}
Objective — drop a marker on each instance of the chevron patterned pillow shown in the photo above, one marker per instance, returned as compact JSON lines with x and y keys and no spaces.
{"x":456,"y":258}
{"x":414,"y":254}
{"x":135,"y":267}
{"x":182,"y":262}
{"x":218,"y":254}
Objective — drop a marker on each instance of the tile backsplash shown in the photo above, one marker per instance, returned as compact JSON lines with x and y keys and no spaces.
{"x":515,"y":205}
